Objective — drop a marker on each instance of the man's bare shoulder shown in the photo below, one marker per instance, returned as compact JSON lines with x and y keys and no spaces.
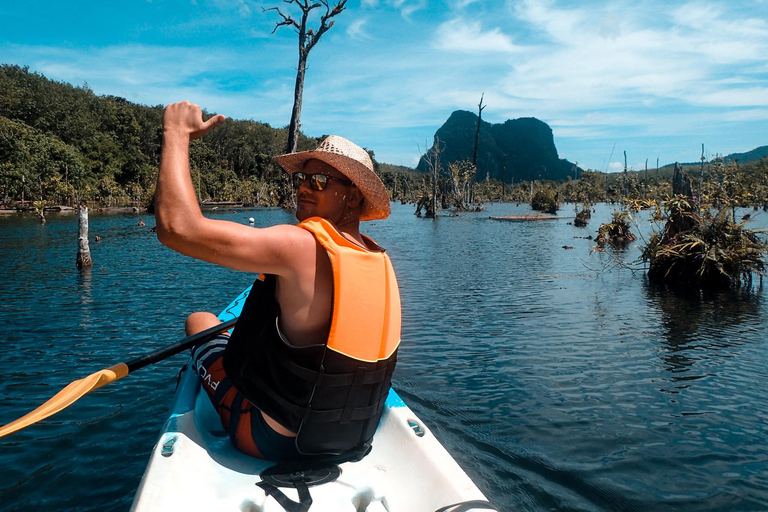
{"x":293,"y":247}
{"x":288,"y":236}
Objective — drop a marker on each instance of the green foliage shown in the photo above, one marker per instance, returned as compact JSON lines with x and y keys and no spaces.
{"x":588,"y":188}
{"x":545,"y":200}
{"x":64,"y":144}
{"x":34,"y":164}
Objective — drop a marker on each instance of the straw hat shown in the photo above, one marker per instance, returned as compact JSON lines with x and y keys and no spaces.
{"x":353,"y":162}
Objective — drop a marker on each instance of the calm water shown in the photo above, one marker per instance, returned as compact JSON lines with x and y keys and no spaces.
{"x":559,"y":380}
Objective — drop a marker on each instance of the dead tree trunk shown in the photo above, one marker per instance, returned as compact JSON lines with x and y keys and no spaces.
{"x":503,"y":176}
{"x":480,"y":108}
{"x":83,"y":251}
{"x":435,"y":173}
{"x":681,"y":183}
{"x":308,"y":38}
{"x":298,"y":98}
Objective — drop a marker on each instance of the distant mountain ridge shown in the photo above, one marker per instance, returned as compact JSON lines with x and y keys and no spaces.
{"x":527,"y":142}
{"x":746,"y":157}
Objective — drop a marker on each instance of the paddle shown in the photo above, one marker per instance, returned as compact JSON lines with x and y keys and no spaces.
{"x":79,"y":388}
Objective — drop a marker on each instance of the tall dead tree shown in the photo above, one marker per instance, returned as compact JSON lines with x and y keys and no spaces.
{"x":701,"y":176}
{"x":480,"y":108}
{"x":308,"y":38}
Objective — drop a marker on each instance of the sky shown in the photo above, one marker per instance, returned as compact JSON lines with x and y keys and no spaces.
{"x":651,"y":78}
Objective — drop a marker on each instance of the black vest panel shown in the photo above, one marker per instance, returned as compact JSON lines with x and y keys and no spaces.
{"x":332,"y":401}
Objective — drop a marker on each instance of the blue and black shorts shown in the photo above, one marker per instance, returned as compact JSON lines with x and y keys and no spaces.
{"x":240,"y":418}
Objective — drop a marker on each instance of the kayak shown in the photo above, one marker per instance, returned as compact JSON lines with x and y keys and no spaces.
{"x":194,"y":466}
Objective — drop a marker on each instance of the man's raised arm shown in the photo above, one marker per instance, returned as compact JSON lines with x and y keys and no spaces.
{"x":182,"y":226}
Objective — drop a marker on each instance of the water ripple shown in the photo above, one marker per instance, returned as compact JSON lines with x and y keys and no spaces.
{"x":559,"y":380}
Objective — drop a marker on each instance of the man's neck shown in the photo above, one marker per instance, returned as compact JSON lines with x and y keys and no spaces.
{"x":351,"y":231}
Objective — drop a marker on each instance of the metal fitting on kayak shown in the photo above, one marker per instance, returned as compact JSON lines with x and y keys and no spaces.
{"x":167,"y":450}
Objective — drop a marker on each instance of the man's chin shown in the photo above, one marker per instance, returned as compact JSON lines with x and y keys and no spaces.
{"x":303,"y":213}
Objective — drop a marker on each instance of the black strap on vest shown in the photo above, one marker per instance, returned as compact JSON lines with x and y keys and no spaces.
{"x":301,"y":480}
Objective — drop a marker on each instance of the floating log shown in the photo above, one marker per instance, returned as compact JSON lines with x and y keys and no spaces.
{"x":216,"y":204}
{"x":526,"y":218}
{"x":59,"y":208}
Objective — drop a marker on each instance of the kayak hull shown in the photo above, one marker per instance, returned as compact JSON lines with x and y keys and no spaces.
{"x":194,"y":466}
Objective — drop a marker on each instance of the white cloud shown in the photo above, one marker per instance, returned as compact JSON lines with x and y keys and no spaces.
{"x":356,"y":29}
{"x":463,"y":4}
{"x":408,"y":7}
{"x":755,"y":114}
{"x":593,"y":71}
{"x":468,"y":36}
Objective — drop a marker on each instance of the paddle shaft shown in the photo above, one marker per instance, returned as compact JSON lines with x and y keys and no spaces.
{"x":79,"y":388}
{"x":179,"y":346}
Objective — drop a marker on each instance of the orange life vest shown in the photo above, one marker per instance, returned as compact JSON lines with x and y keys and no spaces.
{"x":332,"y":394}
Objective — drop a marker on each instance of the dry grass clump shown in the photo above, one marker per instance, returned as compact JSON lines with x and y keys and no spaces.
{"x":703,"y":248}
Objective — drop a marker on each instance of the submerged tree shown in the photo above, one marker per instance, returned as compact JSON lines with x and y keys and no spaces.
{"x":545,"y":200}
{"x":308,"y":38}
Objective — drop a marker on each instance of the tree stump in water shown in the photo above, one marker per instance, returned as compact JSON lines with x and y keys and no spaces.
{"x":83,"y":251}
{"x":681,"y":183}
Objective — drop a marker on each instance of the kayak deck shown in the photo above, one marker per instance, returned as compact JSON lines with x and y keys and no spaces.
{"x":194,"y":466}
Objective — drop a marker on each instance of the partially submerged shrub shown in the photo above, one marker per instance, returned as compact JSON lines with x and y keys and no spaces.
{"x":583,"y":216}
{"x":545,"y":200}
{"x":703,"y":248}
{"x":617,"y":231}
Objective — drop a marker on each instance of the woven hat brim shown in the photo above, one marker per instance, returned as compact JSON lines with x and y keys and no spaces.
{"x":376,"y":204}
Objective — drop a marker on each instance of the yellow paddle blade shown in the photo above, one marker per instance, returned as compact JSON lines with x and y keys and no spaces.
{"x":67,"y":396}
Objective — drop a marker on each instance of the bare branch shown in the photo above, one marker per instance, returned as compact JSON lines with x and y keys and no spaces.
{"x":287,"y":20}
{"x":324,"y":23}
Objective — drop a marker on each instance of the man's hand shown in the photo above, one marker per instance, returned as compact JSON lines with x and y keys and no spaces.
{"x":186,"y":119}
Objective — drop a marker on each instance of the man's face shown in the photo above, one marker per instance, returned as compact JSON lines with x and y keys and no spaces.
{"x":330,"y":203}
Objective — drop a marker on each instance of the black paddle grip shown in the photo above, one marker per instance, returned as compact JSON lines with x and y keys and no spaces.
{"x":179,"y":346}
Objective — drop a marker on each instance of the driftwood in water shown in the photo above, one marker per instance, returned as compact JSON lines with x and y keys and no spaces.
{"x":83,"y":251}
{"x":526,"y":217}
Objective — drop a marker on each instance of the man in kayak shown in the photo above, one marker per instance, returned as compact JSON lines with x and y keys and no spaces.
{"x":308,"y":366}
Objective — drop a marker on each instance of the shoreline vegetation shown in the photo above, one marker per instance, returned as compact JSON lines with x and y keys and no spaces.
{"x":63,"y":146}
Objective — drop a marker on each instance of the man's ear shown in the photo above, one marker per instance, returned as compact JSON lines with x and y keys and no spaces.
{"x":355,"y":198}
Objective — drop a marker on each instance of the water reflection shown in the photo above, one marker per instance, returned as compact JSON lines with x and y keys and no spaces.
{"x":697,"y":325}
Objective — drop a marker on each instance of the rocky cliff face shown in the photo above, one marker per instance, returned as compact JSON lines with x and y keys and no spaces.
{"x":519,"y":149}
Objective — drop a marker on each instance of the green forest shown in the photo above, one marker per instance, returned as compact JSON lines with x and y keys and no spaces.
{"x":64,"y":145}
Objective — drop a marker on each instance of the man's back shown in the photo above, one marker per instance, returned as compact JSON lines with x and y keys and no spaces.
{"x":273,"y":372}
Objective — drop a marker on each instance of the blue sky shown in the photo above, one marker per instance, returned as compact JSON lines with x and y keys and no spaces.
{"x":653,"y":78}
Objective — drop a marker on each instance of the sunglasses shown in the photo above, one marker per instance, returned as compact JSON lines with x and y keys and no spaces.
{"x":316,"y":181}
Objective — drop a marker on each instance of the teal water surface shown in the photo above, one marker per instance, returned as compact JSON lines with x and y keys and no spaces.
{"x":558,"y":378}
